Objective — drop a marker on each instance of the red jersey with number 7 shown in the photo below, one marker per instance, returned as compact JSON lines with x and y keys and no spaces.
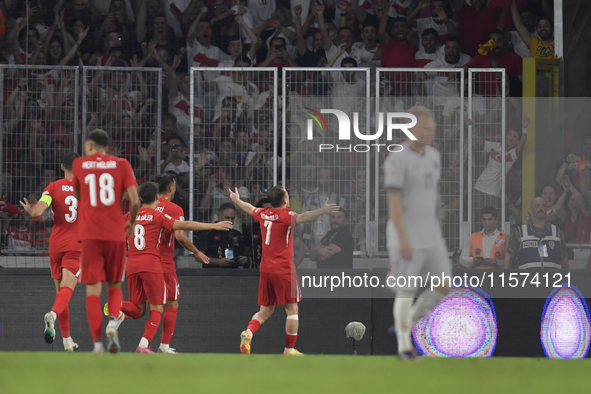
{"x":167,"y":245}
{"x":102,"y":180}
{"x":59,"y":196}
{"x":144,"y":248}
{"x":277,"y":225}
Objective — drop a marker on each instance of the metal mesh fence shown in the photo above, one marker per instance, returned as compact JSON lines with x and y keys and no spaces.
{"x":39,"y":125}
{"x":321,"y":164}
{"x":442,"y":91}
{"x":125,"y":102}
{"x":230,"y":120}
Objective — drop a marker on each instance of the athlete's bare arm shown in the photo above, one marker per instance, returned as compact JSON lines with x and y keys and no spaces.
{"x":34,"y":211}
{"x":396,"y":214}
{"x":186,"y":243}
{"x":196,"y":226}
{"x":311,"y":215}
{"x":246,"y":207}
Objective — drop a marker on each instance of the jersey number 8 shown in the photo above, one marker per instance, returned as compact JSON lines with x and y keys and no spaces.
{"x":138,"y":240}
{"x":106,"y":192}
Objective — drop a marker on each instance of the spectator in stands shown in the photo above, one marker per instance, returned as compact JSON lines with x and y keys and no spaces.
{"x":218,"y":192}
{"x":453,"y":56}
{"x":550,"y":246}
{"x":429,"y":49}
{"x":202,"y":147}
{"x":162,"y":34}
{"x":20,"y":236}
{"x":150,"y":18}
{"x":278,"y":55}
{"x":520,"y":47}
{"x":438,"y":21}
{"x":22,"y":40}
{"x":367,"y":52}
{"x":486,"y":248}
{"x":236,"y":50}
{"x":335,"y":54}
{"x":79,"y":9}
{"x":226,"y":153}
{"x":397,"y":49}
{"x":242,"y":148}
{"x":175,"y":160}
{"x":179,"y":93}
{"x":224,"y":23}
{"x":226,"y":124}
{"x":477,"y":19}
{"x":335,"y":249}
{"x":106,"y":42}
{"x":347,"y":88}
{"x":541,"y":46}
{"x":573,"y":163}
{"x":489,"y":184}
{"x":550,"y":193}
{"x":260,"y":161}
{"x":500,"y":57}
{"x":237,"y":85}
{"x":371,"y":16}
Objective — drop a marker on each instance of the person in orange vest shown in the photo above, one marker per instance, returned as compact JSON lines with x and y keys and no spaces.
{"x":487,"y":247}
{"x":573,"y":163}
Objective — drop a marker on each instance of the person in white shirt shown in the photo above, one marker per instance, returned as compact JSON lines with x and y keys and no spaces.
{"x":175,"y":161}
{"x":529,"y":21}
{"x":237,"y":85}
{"x":261,"y":10}
{"x":347,"y":87}
{"x":344,"y":39}
{"x":438,"y":20}
{"x":430,"y":49}
{"x":367,"y":51}
{"x":488,"y":187}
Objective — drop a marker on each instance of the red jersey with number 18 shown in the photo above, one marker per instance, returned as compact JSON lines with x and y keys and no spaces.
{"x":59,"y":196}
{"x":144,"y":248}
{"x":277,"y":230}
{"x":102,"y":180}
{"x":167,"y":246}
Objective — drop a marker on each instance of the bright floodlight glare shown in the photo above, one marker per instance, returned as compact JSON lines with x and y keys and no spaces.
{"x":565,"y":331}
{"x":464,"y":324}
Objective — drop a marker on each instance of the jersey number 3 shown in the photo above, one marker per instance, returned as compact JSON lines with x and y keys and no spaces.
{"x":106,"y":189}
{"x":73,"y":203}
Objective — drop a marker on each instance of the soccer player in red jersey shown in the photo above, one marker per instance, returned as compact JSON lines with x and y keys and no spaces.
{"x":100,"y":180}
{"x":166,"y":190}
{"x":64,"y":250}
{"x":144,"y":269}
{"x":278,"y":283}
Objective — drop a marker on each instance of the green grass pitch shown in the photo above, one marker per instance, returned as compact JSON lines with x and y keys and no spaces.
{"x":129,"y":373}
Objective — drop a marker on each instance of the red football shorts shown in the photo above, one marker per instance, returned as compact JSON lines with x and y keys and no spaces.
{"x":69,"y":260}
{"x":102,"y":261}
{"x":146,"y":286}
{"x":173,"y":288}
{"x":278,"y":289}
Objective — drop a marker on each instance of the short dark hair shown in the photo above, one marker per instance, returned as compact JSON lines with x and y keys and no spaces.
{"x":544,"y":17}
{"x":278,"y":38}
{"x":148,"y":192}
{"x":453,"y":39}
{"x":399,"y":19}
{"x":430,"y":31}
{"x":164,"y":181}
{"x":261,"y":203}
{"x":99,"y":138}
{"x":175,"y":137}
{"x":25,"y":32}
{"x":349,"y":60}
{"x":69,"y":159}
{"x":488,"y":210}
{"x":226,"y":205}
{"x":343,"y":28}
{"x":498,"y":31}
{"x":276,"y":194}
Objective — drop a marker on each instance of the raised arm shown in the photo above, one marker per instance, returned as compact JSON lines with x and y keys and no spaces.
{"x":311,"y":215}
{"x":412,"y":17}
{"x":319,"y":10}
{"x":246,"y":207}
{"x":360,"y":14}
{"x":336,"y":56}
{"x":382,"y":34}
{"x":140,"y":21}
{"x":193,"y":29}
{"x":521,"y":29}
{"x":523,"y":140}
{"x":36,"y":210}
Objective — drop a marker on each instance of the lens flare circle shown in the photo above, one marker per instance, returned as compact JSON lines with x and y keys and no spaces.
{"x":566,"y":331}
{"x":463,"y":324}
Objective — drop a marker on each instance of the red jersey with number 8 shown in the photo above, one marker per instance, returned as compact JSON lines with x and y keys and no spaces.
{"x":102,"y":180}
{"x":64,"y":235}
{"x":167,"y":246}
{"x":144,"y":248}
{"x":277,"y":225}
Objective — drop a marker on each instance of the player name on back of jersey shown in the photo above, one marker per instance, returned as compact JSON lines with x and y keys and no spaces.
{"x":99,"y":164}
{"x":269,"y":217}
{"x":66,"y":188}
{"x":148,"y":218}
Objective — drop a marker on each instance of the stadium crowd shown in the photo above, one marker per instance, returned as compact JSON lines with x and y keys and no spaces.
{"x":121,"y":42}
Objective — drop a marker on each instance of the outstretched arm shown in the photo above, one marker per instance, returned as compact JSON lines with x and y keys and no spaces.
{"x":36,"y":210}
{"x":246,"y":207}
{"x":382,"y":35}
{"x":521,"y":29}
{"x":186,"y":243}
{"x":196,"y":226}
{"x":311,"y":215}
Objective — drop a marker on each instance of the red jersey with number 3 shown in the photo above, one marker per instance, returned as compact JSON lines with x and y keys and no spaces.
{"x":64,"y":235}
{"x":102,"y":180}
{"x":277,"y":225}
{"x":167,"y":246}
{"x":144,"y":247}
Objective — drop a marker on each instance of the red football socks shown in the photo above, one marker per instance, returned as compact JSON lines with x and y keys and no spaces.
{"x":130,"y":310}
{"x":152,"y":325}
{"x":94,"y":316}
{"x":64,"y":321}
{"x":168,"y":325}
{"x":254,"y":326}
{"x":61,"y":300}
{"x":114,"y":298}
{"x":290,"y":340}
